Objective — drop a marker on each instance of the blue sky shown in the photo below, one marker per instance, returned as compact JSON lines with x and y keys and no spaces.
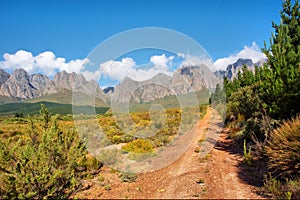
{"x":72,"y":28}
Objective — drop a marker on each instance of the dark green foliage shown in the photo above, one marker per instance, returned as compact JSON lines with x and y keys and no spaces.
{"x":41,"y":167}
{"x":246,"y":101}
{"x":218,"y":96}
{"x":46,"y":116}
{"x":281,"y":81}
{"x":245,"y":78}
{"x":57,"y":108}
{"x":268,"y":96}
{"x":19,"y":115}
{"x":272,"y":90}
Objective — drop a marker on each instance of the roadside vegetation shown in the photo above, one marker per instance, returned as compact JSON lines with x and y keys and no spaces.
{"x":263,"y":108}
{"x":40,"y":159}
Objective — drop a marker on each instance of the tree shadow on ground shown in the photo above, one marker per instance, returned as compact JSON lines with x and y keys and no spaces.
{"x":252,"y":174}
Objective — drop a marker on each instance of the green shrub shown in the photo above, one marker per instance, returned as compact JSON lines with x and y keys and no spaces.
{"x":140,"y":156}
{"x":107,"y":187}
{"x":246,"y":101}
{"x":290,"y":189}
{"x":44,"y":168}
{"x":89,"y":162}
{"x":110,"y":156}
{"x":247,"y":154}
{"x":138,"y":146}
{"x":139,"y":149}
{"x":127,"y":177}
{"x":283,"y":150}
{"x":100,"y":178}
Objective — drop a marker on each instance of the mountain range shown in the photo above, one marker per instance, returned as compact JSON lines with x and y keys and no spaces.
{"x":183,"y":81}
{"x":232,"y":70}
{"x":20,"y":85}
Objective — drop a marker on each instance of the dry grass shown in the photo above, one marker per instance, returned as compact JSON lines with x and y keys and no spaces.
{"x":283,"y":150}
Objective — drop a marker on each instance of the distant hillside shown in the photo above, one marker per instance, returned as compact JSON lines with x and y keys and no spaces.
{"x":6,"y":99}
{"x":168,"y":101}
{"x":65,"y":97}
{"x":54,"y":108}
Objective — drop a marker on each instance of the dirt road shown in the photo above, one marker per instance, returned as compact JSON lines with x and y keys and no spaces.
{"x":212,"y":176}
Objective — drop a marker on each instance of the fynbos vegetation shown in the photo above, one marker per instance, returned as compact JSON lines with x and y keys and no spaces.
{"x":265,"y":106}
{"x":45,"y":161}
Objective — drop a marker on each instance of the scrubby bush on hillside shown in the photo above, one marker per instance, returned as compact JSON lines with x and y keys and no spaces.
{"x":138,"y":146}
{"x":41,"y":165}
{"x":127,"y":177}
{"x":139,"y":149}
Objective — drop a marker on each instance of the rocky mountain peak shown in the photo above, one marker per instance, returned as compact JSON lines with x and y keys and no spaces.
{"x":233,"y":69}
{"x":18,"y":85}
{"x":4,"y":76}
{"x":39,"y":81}
{"x":242,"y":62}
{"x":21,"y":85}
{"x":20,"y":74}
{"x":184,"y":80}
{"x":159,"y":78}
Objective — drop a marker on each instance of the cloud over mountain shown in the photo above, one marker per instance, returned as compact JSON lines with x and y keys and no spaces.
{"x":192,"y":60}
{"x":117,"y":70}
{"x":252,"y":52}
{"x":161,"y":61}
{"x":45,"y":62}
{"x":127,"y":67}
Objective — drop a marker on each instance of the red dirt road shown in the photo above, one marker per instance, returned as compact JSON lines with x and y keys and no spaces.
{"x":214,"y":176}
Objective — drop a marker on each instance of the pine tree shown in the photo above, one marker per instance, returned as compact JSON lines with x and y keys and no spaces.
{"x":281,"y":74}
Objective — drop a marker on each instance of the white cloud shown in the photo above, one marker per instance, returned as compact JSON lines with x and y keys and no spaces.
{"x":191,"y":60}
{"x":45,"y":62}
{"x":74,"y":65}
{"x":161,"y":61}
{"x":118,"y":70}
{"x":142,"y":74}
{"x":20,"y":59}
{"x":248,"y":52}
{"x":91,"y":75}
